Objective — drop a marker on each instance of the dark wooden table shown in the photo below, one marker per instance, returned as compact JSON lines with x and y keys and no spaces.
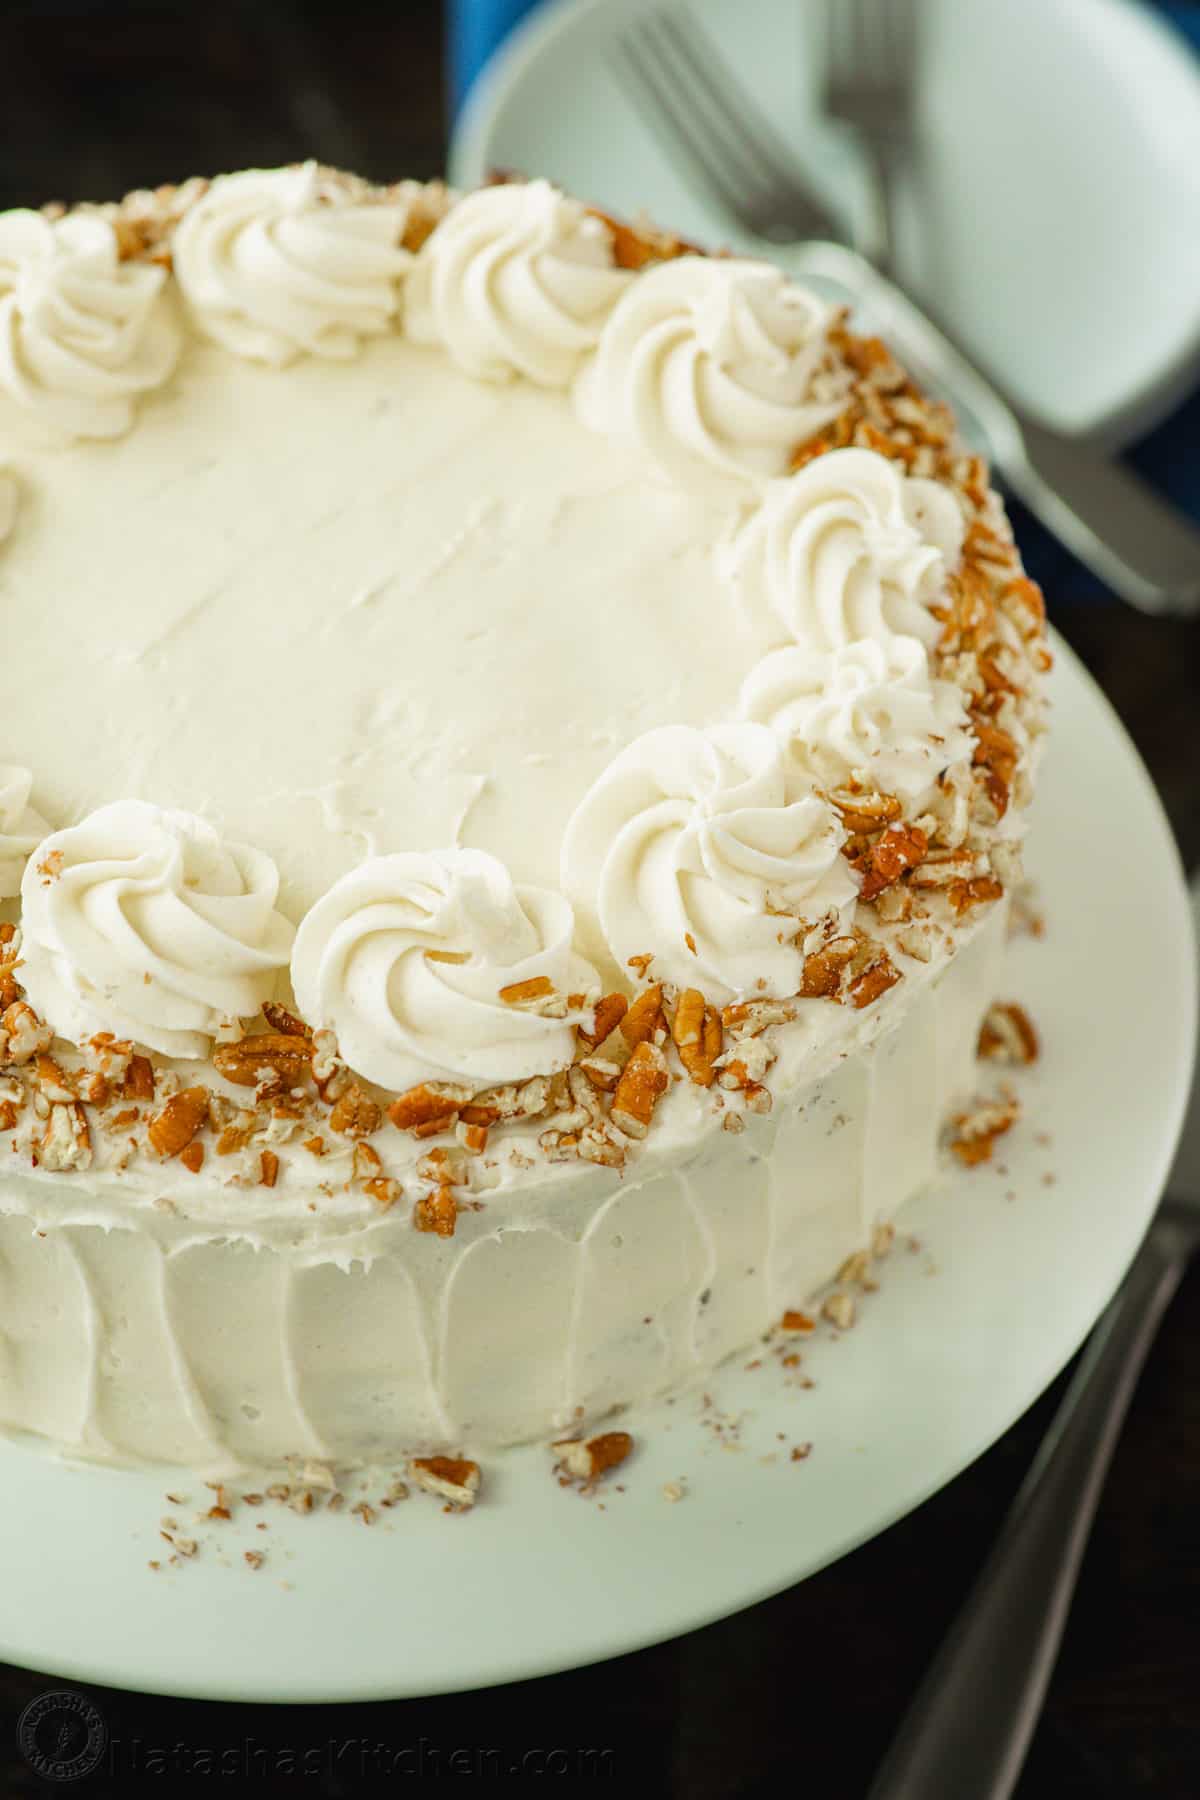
{"x":801,"y":1693}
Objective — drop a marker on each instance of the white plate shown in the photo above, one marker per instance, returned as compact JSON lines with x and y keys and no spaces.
{"x":1059,"y":175}
{"x":959,"y":1340}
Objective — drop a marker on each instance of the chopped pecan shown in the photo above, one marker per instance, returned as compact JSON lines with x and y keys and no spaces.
{"x":1007,"y":1035}
{"x":366,"y":1162}
{"x":973,"y":1136}
{"x":609,"y":1013}
{"x":995,"y":749}
{"x":22,"y":1034}
{"x":587,"y":1460}
{"x":10,"y":987}
{"x":281,"y":1020}
{"x":355,"y":1114}
{"x":962,"y":895}
{"x":383,"y":1191}
{"x":428,"y":1108}
{"x":139,"y":1079}
{"x":272,"y":1053}
{"x":185,"y":1113}
{"x":875,"y":980}
{"x":602,"y":1074}
{"x":697,"y":1032}
{"x":520,"y":993}
{"x":901,"y":848}
{"x":747,"y":1018}
{"x":66,"y":1142}
{"x":644,"y":1080}
{"x":822,"y":977}
{"x":268,"y":1169}
{"x":644,"y":1018}
{"x":53,"y":1080}
{"x":437,"y":1212}
{"x":866,"y":811}
{"x":454,"y":1479}
{"x":596,"y":1146}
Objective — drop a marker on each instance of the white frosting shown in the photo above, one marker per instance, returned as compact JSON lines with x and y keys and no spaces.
{"x":714,"y":367}
{"x":9,"y":499}
{"x":21,"y":828}
{"x":690,"y":835}
{"x":405,"y":959}
{"x":850,"y":547}
{"x":236,"y":1329}
{"x":82,"y":334}
{"x":274,"y":262}
{"x":516,"y":280}
{"x":142,"y":922}
{"x":868,"y":711}
{"x":322,"y":676}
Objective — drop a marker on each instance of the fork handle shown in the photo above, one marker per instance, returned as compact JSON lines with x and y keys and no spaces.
{"x":1145,"y":549}
{"x":1142,"y":547}
{"x":968,"y":1729}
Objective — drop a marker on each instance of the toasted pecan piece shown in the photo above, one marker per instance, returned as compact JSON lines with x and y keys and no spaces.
{"x":962,"y":895}
{"x":609,"y":1013}
{"x":355,"y":1114}
{"x":429,"y":1107}
{"x":875,"y":980}
{"x":455,"y":1479}
{"x":644,"y":1080}
{"x":901,"y":848}
{"x":974,"y":1133}
{"x":520,"y":993}
{"x":277,"y":1053}
{"x":1008,"y":1035}
{"x":645,"y":1017}
{"x":185,"y":1113}
{"x":698,"y":1034}
{"x":281,"y":1020}
{"x":437,"y":1212}
{"x":139,"y":1079}
{"x":864,"y":811}
{"x":22,"y":1034}
{"x":268,"y":1169}
{"x":588,"y":1459}
{"x":822,"y":977}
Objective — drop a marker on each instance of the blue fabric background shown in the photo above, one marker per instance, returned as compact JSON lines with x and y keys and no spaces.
{"x":1169,"y":457}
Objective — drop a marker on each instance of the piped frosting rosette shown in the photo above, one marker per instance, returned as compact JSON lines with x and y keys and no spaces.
{"x":850,"y":547}
{"x":276,"y":262}
{"x":83,"y":335}
{"x":21,"y":828}
{"x":869,"y":712}
{"x":688,"y":848}
{"x":432,"y":965}
{"x":145,"y":923}
{"x":713,"y":366}
{"x":516,"y":280}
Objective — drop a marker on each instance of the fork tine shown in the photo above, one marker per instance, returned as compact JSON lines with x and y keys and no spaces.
{"x":841,"y":39}
{"x":663,"y":62}
{"x":904,"y":21}
{"x":670,"y":121}
{"x":729,"y":99}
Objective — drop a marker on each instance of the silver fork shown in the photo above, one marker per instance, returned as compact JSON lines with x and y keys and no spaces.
{"x":872,"y":59}
{"x":697,"y":104}
{"x":1142,"y":547}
